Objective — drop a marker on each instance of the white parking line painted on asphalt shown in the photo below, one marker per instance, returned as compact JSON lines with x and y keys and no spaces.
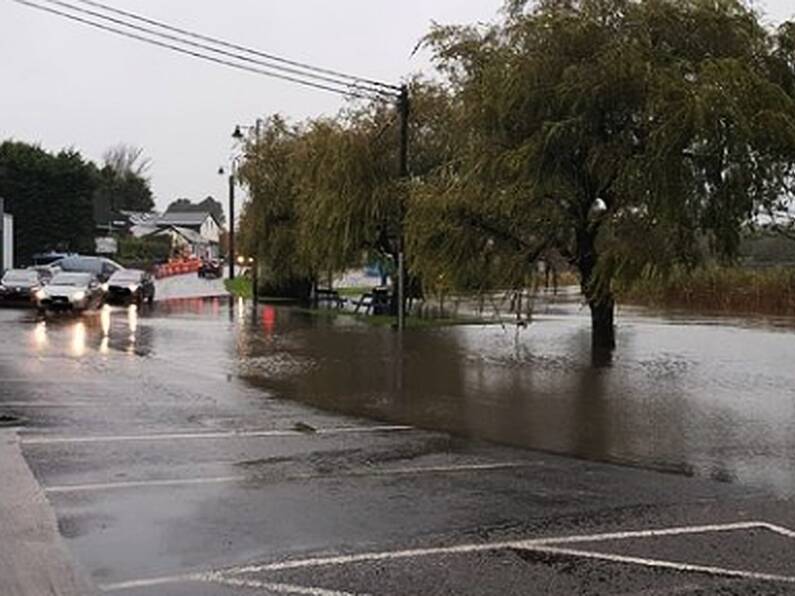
{"x":156,"y":581}
{"x":43,"y":404}
{"x":221,"y":579}
{"x":706,"y":529}
{"x":278,"y":588}
{"x":780,"y":530}
{"x":517,"y":544}
{"x":103,"y":486}
{"x":45,"y":440}
{"x":661,"y":564}
{"x":77,"y":488}
{"x":83,"y":404}
{"x":544,"y":545}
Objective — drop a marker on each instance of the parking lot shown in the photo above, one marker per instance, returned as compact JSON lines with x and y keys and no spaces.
{"x":171,"y":475}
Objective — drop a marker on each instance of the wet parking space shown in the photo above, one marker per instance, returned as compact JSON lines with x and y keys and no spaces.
{"x":549,"y":565}
{"x":184,"y":454}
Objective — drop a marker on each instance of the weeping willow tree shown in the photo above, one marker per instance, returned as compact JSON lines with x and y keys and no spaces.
{"x":270,"y":226}
{"x":327,"y":193}
{"x":627,"y":135}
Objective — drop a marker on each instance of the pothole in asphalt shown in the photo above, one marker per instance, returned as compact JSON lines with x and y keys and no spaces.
{"x":9,"y":420}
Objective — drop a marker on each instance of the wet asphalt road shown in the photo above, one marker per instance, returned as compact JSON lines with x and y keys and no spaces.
{"x":188,"y":452}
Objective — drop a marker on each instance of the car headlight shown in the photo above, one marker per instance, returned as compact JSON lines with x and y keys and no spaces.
{"x":105,"y":287}
{"x":133,"y":287}
{"x":78,"y":296}
{"x":41,"y":295}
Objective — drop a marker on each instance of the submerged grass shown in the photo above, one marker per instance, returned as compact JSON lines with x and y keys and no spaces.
{"x":412,"y":322}
{"x":239,"y":287}
{"x":740,"y":290}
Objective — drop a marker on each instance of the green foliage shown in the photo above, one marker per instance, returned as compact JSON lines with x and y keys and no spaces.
{"x":630,"y":137}
{"x":50,"y":196}
{"x":326,"y":193}
{"x":269,"y":221}
{"x":239,"y":287}
{"x":143,"y":250}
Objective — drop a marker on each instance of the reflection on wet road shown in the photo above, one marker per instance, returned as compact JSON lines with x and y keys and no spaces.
{"x":690,"y":395}
{"x":99,"y":331}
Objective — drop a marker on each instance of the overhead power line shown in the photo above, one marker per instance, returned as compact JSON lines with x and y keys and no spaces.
{"x":223,"y":43}
{"x":202,"y":46}
{"x":348,"y":89}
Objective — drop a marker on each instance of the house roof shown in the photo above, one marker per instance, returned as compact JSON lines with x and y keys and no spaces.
{"x":184,"y":218}
{"x":141,"y":230}
{"x":141,"y":218}
{"x":192,"y":236}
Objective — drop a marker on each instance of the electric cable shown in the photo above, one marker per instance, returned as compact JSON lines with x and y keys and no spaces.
{"x":291,"y":71}
{"x":238,"y":47}
{"x":345,"y":90}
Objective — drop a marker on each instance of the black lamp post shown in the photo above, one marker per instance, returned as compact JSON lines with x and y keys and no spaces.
{"x":238,"y":136}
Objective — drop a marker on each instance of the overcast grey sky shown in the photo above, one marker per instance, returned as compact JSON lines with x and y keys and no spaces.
{"x":64,"y":84}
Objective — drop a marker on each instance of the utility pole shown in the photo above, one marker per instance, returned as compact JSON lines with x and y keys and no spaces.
{"x":404,"y":110}
{"x":231,"y":237}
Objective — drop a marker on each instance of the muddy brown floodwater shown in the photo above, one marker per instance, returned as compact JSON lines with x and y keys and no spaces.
{"x":711,"y":397}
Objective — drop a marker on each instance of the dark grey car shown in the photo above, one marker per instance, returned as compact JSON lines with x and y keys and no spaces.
{"x":19,"y":286}
{"x":131,"y":285}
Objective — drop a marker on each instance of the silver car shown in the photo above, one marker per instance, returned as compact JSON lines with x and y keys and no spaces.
{"x":71,"y":291}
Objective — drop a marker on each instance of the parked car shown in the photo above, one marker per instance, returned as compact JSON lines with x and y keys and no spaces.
{"x":101,"y":267}
{"x":71,"y":291}
{"x":46,"y":272}
{"x":20,"y":286}
{"x":212,"y":269}
{"x":131,"y":285}
{"x":47,"y":258}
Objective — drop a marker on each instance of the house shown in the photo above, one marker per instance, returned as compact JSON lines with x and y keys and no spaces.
{"x":202,"y":222}
{"x":195,"y":233}
{"x":186,"y":241}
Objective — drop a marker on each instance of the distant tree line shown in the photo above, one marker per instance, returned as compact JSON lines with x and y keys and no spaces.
{"x":58,"y":198}
{"x":208,"y":205}
{"x":628,"y":137}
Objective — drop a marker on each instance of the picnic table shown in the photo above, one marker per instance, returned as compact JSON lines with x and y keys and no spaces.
{"x":378,"y":301}
{"x":329,"y":295}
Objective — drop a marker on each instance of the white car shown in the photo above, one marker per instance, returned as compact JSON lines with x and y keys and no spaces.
{"x":71,"y":291}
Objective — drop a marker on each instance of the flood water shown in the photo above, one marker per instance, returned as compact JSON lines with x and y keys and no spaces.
{"x":712,"y":397}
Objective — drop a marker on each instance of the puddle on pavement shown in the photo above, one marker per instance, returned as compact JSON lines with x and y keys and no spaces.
{"x":680,"y":394}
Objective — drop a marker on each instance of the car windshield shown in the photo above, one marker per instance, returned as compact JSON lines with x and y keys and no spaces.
{"x":20,"y":275}
{"x":126,"y":276}
{"x":71,"y":279}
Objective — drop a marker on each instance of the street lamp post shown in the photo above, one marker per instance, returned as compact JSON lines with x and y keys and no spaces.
{"x":237,"y":135}
{"x":231,"y":239}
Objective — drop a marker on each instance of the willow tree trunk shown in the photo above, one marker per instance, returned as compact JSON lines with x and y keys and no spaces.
{"x":601,"y":303}
{"x":603,"y":330}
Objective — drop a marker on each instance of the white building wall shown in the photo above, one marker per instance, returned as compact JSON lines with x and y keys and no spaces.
{"x":210,"y":230}
{"x":8,"y":242}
